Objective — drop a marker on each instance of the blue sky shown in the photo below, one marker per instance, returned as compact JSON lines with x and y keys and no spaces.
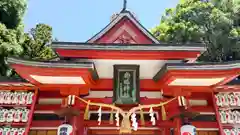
{"x":78,"y":20}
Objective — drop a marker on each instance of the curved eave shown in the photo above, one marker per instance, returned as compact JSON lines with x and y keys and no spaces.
{"x":117,"y":51}
{"x":54,"y":73}
{"x":128,"y":47}
{"x":227,"y":88}
{"x":208,"y":74}
{"x":50,"y":64}
{"x":14,"y":83}
{"x":16,"y":86}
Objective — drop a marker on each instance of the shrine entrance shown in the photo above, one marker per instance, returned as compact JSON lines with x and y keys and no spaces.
{"x":116,"y":132}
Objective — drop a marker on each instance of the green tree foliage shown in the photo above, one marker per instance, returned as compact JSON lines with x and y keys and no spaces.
{"x":12,"y":12}
{"x":11,"y":30}
{"x":37,"y":43}
{"x":215,"y":23}
{"x":9,"y":45}
{"x":13,"y":40}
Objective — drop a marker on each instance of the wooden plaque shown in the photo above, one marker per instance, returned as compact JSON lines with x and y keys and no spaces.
{"x":126,"y":84}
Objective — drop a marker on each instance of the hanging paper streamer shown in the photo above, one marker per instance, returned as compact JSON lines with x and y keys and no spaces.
{"x":99,"y":115}
{"x":151,"y":114}
{"x":142,"y":117}
{"x":164,"y":115}
{"x":86,"y":111}
{"x":125,"y":126}
{"x":151,"y":110}
{"x":153,"y":121}
{"x":111,"y":117}
{"x":134,"y":122}
{"x":117,"y":118}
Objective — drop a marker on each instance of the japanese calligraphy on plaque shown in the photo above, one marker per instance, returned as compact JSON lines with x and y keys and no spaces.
{"x":126,"y":84}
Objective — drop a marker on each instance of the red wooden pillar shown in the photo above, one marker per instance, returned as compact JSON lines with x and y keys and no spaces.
{"x":80,"y":124}
{"x":166,"y":131}
{"x":72,"y":122}
{"x":77,"y":123}
{"x":172,"y":109}
{"x":178,"y":123}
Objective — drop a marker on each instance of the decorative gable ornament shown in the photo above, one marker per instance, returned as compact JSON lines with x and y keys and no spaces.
{"x":65,"y":129}
{"x":125,"y":39}
{"x":117,"y":19}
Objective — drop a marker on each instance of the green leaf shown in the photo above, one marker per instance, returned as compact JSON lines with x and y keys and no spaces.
{"x":215,"y":23}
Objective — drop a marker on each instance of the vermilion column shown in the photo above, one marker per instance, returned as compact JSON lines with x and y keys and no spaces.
{"x":166,"y":131}
{"x":178,"y":123}
{"x":80,"y":124}
{"x":75,"y":121}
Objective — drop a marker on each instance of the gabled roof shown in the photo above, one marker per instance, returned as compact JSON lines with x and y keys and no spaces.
{"x":117,"y":19}
{"x":54,"y":72}
{"x":226,"y":69}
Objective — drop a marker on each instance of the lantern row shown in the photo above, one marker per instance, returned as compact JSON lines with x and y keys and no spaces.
{"x":14,"y":115}
{"x":16,"y":98}
{"x":12,"y":131}
{"x":227,"y":107}
{"x":227,"y":99}
{"x":234,"y":131}
{"x":231,"y":117}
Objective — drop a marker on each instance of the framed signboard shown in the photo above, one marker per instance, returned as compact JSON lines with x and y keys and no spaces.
{"x":126,"y":84}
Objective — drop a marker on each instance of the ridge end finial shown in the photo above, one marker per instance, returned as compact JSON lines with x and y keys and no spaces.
{"x":124,"y":5}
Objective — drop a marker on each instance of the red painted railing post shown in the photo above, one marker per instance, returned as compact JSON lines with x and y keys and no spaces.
{"x":217,"y":115}
{"x":27,"y":129}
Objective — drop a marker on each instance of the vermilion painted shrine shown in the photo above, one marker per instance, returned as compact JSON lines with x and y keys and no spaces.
{"x":126,"y":67}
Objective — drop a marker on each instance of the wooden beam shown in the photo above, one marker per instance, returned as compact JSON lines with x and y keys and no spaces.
{"x":205,"y":124}
{"x":56,"y":123}
{"x":107,"y":84}
{"x":132,"y":55}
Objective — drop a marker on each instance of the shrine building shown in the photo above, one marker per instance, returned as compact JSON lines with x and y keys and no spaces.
{"x":121,"y":81}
